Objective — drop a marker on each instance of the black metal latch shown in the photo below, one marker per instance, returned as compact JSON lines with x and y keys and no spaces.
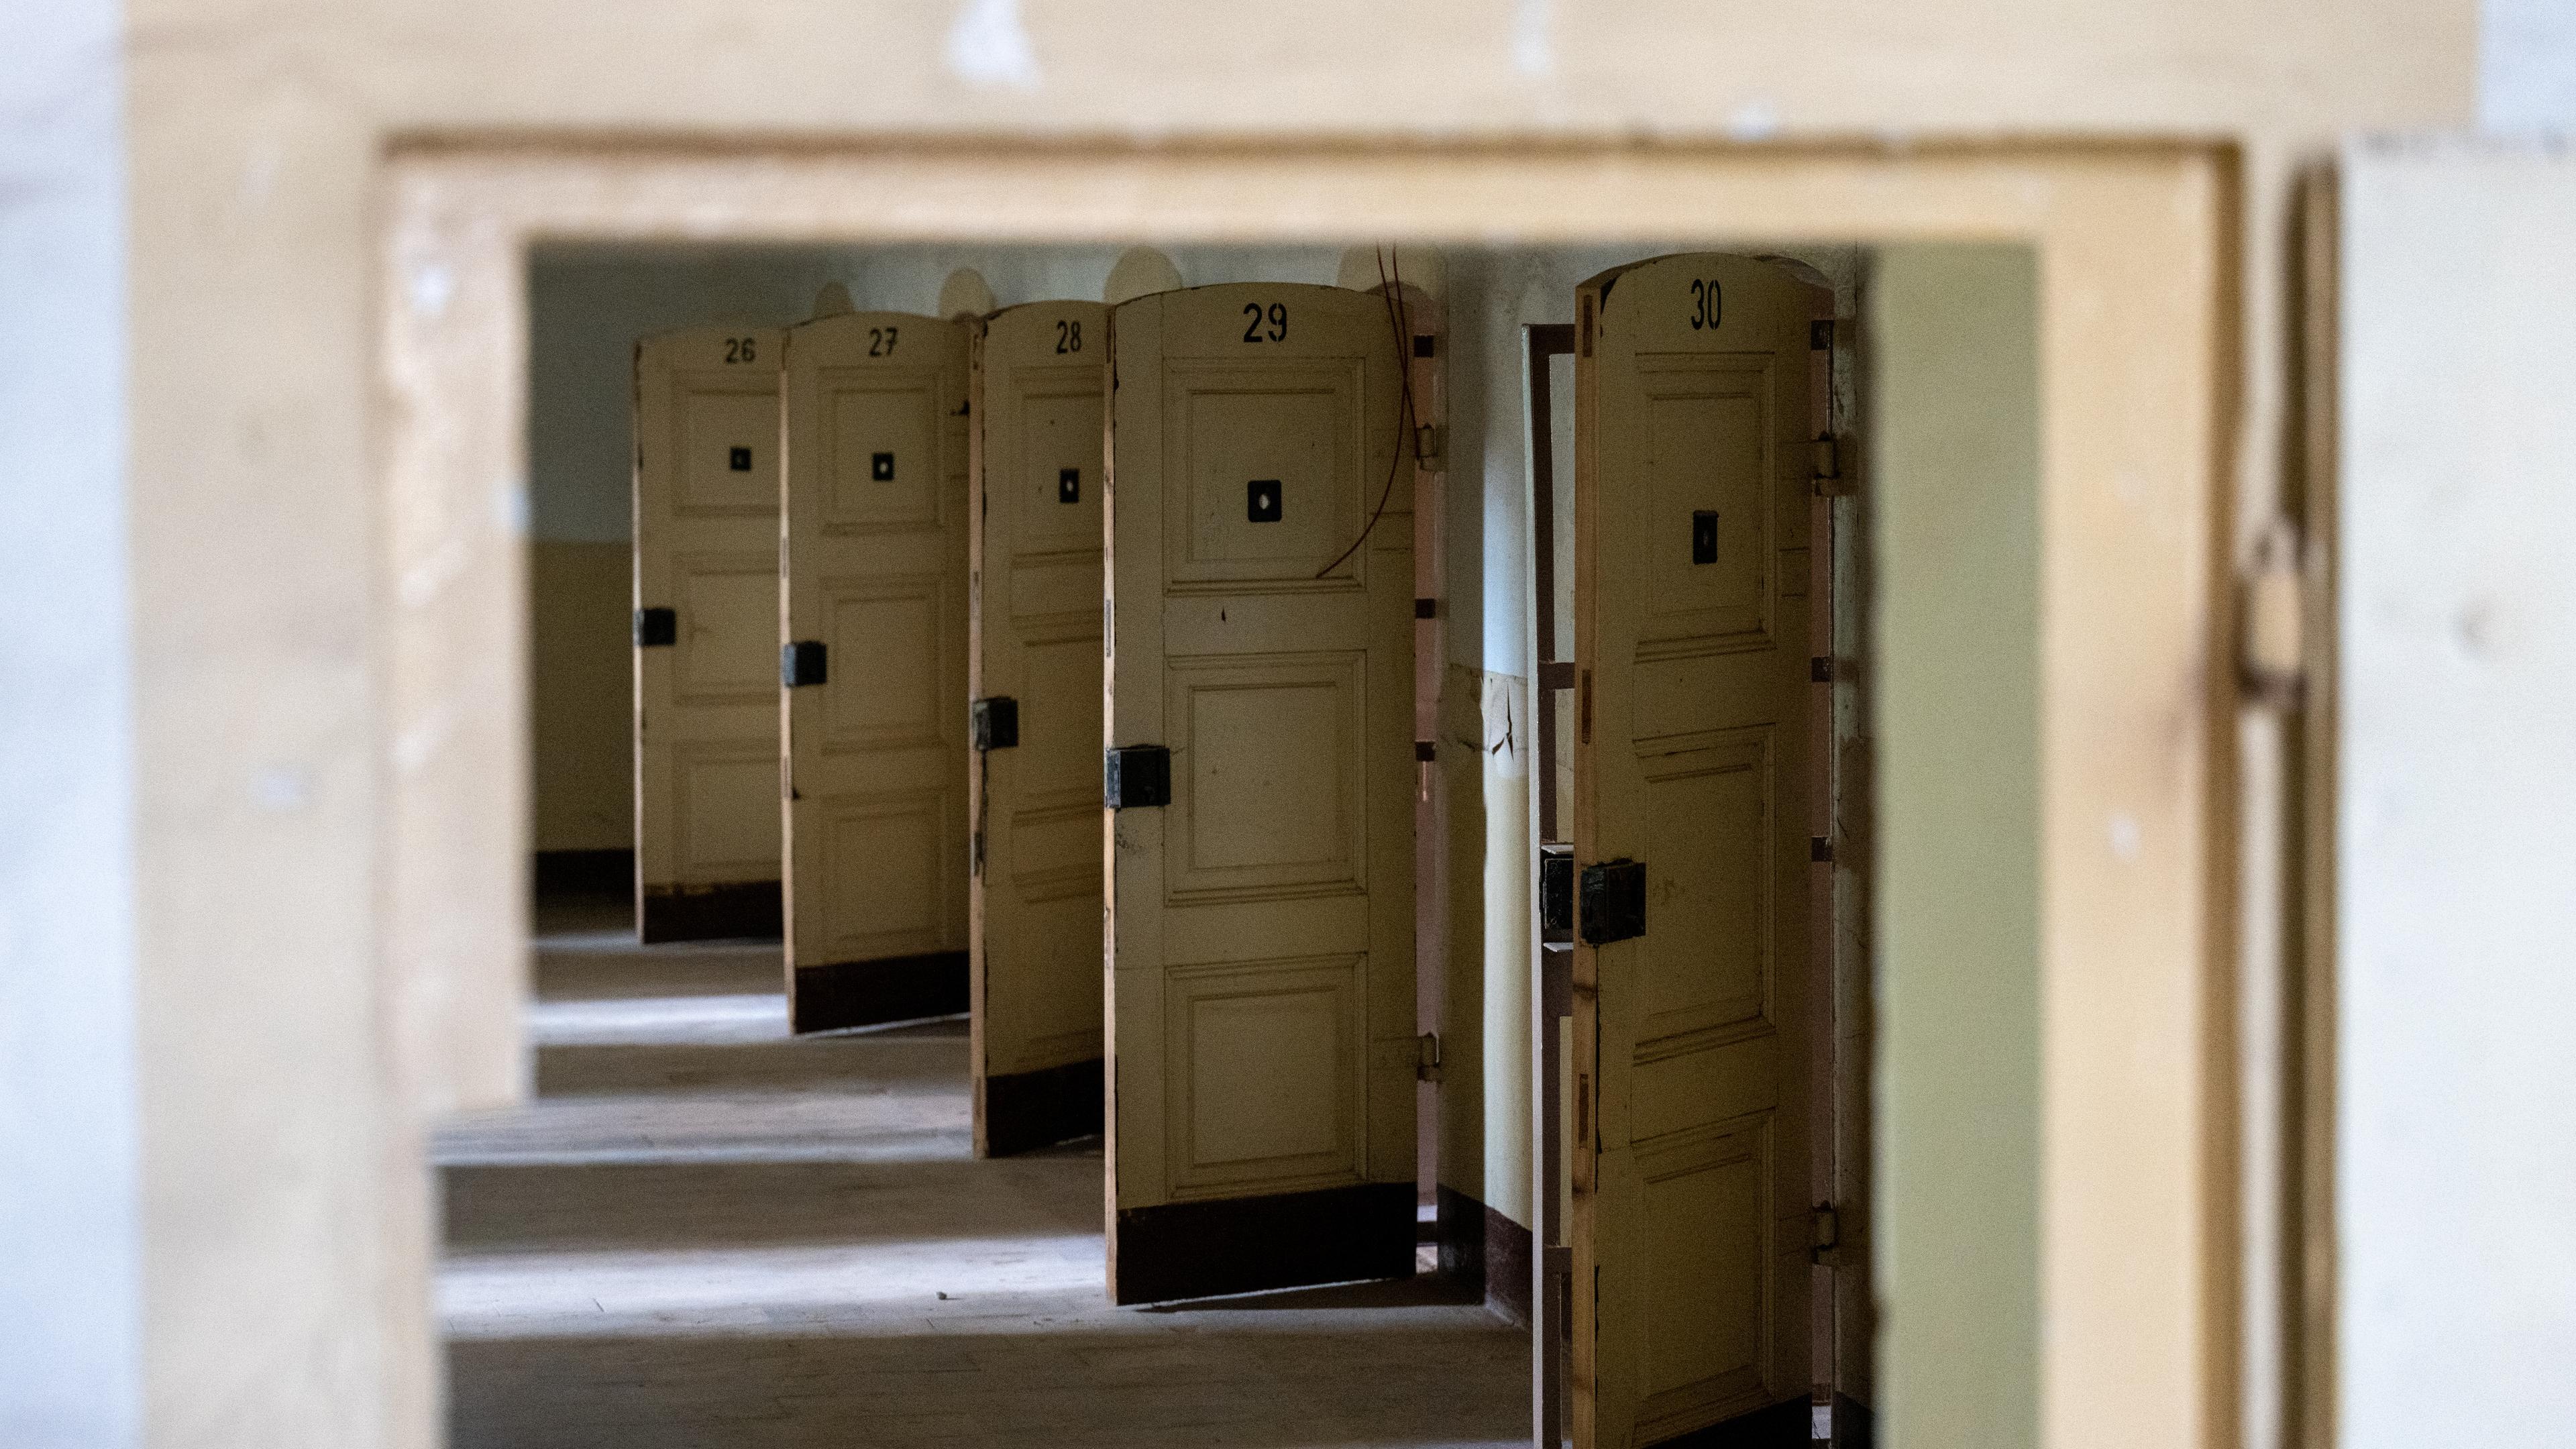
{"x":1136,"y":776}
{"x":657,"y":628}
{"x":1613,"y":901}
{"x":1556,"y":892}
{"x":802,"y":663}
{"x":995,"y":722}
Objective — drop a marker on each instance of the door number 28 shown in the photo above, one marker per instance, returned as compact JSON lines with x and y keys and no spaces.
{"x":1704,"y":307}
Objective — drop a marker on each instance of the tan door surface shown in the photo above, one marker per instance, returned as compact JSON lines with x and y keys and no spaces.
{"x":873,"y":598}
{"x":1034,"y":672}
{"x":1692,"y":811}
{"x":1261,"y":1014}
{"x":706,"y":634}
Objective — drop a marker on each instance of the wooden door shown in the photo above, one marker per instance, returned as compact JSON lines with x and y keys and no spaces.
{"x":873,"y":598}
{"x":1695,"y":394}
{"x":706,"y":634}
{"x":1261,"y":1016}
{"x":1034,"y":670}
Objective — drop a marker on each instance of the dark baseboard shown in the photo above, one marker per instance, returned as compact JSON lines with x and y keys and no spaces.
{"x":585,"y":873}
{"x":1028,"y":1110}
{"x":745,"y":910}
{"x":1783,"y":1425}
{"x":1481,"y":1247}
{"x":866,"y":993}
{"x":1248,"y":1244}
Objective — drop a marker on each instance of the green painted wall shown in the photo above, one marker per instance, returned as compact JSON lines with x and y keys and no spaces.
{"x":1953,"y":332}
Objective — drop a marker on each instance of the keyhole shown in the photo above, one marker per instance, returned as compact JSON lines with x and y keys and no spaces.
{"x":1262,"y":501}
{"x":1704,"y":537}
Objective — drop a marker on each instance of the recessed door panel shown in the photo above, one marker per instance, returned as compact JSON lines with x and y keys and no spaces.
{"x":707,"y":834}
{"x":1261,"y":1008}
{"x":1693,"y":760}
{"x":885,"y":469}
{"x":725,"y":649}
{"x":874,"y":604}
{"x":1040,"y":482}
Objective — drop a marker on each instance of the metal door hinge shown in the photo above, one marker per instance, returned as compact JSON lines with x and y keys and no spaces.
{"x":656,"y":628}
{"x":1427,"y":440}
{"x":2272,"y":616}
{"x":1611,"y":901}
{"x":1426,"y":1062}
{"x":1826,"y":471}
{"x":1827,"y":1234}
{"x":995,"y":722}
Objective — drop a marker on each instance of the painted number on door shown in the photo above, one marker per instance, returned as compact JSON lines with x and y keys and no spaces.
{"x":742,"y":349}
{"x":1705,"y":311}
{"x":1068,"y":336}
{"x":881,"y":341}
{"x":1265,"y":325}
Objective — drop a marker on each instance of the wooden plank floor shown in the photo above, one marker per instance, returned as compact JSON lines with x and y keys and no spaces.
{"x":706,"y":1233}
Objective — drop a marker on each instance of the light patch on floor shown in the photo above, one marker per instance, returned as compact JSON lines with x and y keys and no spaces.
{"x":705,"y":1232}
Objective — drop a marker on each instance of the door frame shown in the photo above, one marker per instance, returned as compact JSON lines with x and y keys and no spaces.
{"x":2137,"y":246}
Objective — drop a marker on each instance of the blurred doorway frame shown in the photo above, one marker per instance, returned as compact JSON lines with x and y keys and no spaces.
{"x":2140,"y":336}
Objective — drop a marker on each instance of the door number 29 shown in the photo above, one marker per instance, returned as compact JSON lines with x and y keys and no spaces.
{"x":1276,"y":317}
{"x":1705,"y":311}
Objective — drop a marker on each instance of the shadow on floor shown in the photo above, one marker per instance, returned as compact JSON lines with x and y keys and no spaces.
{"x":1338,"y":1385}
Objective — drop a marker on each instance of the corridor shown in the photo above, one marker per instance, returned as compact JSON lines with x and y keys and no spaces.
{"x":704,"y":1232}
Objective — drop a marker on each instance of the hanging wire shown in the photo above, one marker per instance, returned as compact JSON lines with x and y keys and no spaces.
{"x":1390,"y":287}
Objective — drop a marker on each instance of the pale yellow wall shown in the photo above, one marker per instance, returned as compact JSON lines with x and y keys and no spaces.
{"x":1955,"y":646}
{"x":285,"y":1220}
{"x":581,"y":695}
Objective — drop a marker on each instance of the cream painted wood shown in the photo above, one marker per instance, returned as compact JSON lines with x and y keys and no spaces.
{"x":1039,"y":429}
{"x":874,"y":569}
{"x":1693,"y":754}
{"x":965,"y":295}
{"x":706,"y":547}
{"x":1139,"y":272}
{"x":1261,"y":925}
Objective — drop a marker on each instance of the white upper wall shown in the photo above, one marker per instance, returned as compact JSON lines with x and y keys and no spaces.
{"x":2456,"y":1050}
{"x":2527,"y":65}
{"x":70,"y":1245}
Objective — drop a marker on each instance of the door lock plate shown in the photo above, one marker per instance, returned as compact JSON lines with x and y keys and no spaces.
{"x":1612,"y":901}
{"x":995,"y":722}
{"x":1137,"y":777}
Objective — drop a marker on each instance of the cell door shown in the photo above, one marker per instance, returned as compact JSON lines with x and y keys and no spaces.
{"x":1695,"y":704}
{"x":706,"y":634}
{"x":1260,"y":783}
{"x":873,"y":599}
{"x":1034,"y":673}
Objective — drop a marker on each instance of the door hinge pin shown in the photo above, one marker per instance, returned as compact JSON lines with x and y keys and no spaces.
{"x":1828,"y":1232}
{"x":1426,"y":1062}
{"x":2272,"y":611}
{"x":1826,"y":469}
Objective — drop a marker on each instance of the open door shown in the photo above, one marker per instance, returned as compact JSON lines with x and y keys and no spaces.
{"x":873,"y":606}
{"x":1696,"y":403}
{"x":706,"y":634}
{"x":1034,"y":674}
{"x":1260,"y":788}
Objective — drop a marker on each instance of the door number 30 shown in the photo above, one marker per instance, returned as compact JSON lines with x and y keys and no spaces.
{"x":1705,"y":311}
